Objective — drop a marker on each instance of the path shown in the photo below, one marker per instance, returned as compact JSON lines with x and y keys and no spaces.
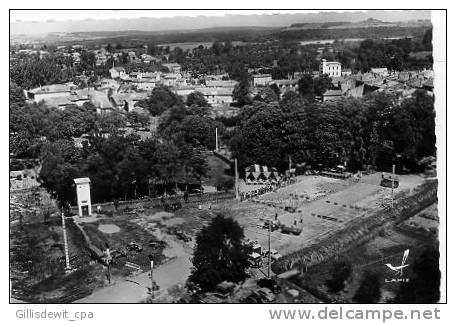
{"x":171,"y":273}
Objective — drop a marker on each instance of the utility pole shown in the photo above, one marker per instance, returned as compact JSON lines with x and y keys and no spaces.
{"x":152,"y":275}
{"x":216,"y":140}
{"x":289,"y":164}
{"x":65,"y":241}
{"x":108,"y":263}
{"x":236,"y":181}
{"x":269,"y":249}
{"x":392,"y":188}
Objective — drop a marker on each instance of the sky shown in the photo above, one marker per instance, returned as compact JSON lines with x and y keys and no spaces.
{"x":41,"y":22}
{"x":61,"y":15}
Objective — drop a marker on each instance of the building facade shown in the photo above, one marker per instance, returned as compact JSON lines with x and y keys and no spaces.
{"x":83,"y":196}
{"x":332,"y":69}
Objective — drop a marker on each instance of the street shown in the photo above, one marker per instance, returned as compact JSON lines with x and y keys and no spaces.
{"x":135,"y":290}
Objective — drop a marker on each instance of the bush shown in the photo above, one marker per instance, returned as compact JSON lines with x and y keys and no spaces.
{"x":341,"y":272}
{"x":225,"y":184}
{"x":369,"y":289}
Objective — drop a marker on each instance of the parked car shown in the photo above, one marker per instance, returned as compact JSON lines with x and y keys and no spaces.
{"x":291,"y":229}
{"x":266,"y":295}
{"x":275,"y":255}
{"x":271,"y":284}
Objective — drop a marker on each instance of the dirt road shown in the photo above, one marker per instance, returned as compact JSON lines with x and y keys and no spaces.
{"x":134,"y":290}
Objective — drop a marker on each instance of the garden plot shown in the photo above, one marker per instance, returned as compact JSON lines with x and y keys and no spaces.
{"x":118,"y":232}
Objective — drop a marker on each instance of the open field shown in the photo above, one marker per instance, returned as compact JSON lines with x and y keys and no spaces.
{"x":191,"y":45}
{"x":330,"y":205}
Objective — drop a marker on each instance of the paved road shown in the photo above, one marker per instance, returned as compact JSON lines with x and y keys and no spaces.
{"x":173,"y":272}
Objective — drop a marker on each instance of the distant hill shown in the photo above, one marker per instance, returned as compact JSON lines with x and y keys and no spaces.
{"x":368,"y":23}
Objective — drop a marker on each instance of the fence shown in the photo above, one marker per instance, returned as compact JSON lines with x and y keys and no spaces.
{"x":193,"y":199}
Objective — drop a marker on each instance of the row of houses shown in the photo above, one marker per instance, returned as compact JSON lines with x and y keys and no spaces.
{"x":62,"y":96}
{"x":380,"y":80}
{"x":216,"y":90}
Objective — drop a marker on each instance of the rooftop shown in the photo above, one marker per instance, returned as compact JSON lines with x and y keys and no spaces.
{"x":82,"y":180}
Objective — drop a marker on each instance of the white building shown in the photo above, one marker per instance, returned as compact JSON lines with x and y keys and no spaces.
{"x":83,"y":194}
{"x":286,"y":85}
{"x":117,"y":72}
{"x":217,"y":95}
{"x":382,"y":71}
{"x":332,"y":69}
{"x":46,"y":92}
{"x":261,"y":79}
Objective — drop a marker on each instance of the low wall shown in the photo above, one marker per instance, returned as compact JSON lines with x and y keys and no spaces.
{"x":359,"y":231}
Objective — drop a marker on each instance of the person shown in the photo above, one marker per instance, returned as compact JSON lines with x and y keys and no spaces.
{"x":99,"y":209}
{"x":186,"y":196}
{"x":116,"y":204}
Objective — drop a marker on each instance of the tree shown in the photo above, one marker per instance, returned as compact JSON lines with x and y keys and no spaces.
{"x":59,"y":168}
{"x":267,"y":95}
{"x":310,"y":87}
{"x":197,"y":98}
{"x":219,"y":255}
{"x":241,"y":93}
{"x":424,"y":286}
{"x":341,"y":272}
{"x":200,"y":129}
{"x":369,"y":289}
{"x":427,"y":40}
{"x":160,"y":100}
{"x":306,"y":86}
{"x":33,"y":71}
{"x":16,"y":95}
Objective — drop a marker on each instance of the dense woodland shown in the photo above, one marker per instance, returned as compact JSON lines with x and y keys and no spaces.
{"x":376,"y":130}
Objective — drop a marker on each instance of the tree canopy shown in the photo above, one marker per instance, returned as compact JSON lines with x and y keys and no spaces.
{"x":369,"y":289}
{"x":424,"y":285}
{"x":375,"y":130}
{"x":219,"y":255}
{"x":160,"y":100}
